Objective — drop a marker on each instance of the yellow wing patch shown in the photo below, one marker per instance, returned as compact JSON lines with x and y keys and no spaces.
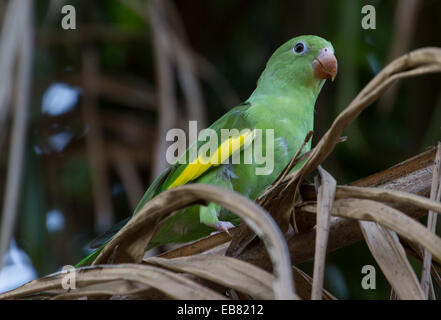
{"x":197,"y":167}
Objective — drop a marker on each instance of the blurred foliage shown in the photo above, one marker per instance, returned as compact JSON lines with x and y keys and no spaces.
{"x":237,"y":37}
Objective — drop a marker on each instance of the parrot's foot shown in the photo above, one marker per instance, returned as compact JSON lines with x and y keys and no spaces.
{"x":223,"y":226}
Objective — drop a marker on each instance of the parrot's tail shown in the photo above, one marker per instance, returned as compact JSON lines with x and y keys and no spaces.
{"x":100,"y":242}
{"x":87,"y":261}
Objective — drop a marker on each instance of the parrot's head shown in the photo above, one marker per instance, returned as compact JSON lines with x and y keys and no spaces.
{"x":304,"y":61}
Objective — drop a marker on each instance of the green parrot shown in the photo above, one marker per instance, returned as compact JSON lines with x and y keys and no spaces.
{"x":275,"y":119}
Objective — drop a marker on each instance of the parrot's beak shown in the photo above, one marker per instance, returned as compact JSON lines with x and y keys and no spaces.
{"x":325,"y":64}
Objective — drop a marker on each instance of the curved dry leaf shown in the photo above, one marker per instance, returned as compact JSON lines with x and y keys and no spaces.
{"x":325,"y":198}
{"x":173,"y":285}
{"x":435,"y":194}
{"x":130,"y":243}
{"x":387,"y":195}
{"x":388,"y":217}
{"x":105,"y":289}
{"x":391,"y":257}
{"x":227,"y":271}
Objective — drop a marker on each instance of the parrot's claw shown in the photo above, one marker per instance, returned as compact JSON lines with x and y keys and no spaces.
{"x":223,"y":226}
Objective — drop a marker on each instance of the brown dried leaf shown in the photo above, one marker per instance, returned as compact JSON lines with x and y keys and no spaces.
{"x":435,"y":194}
{"x":390,"y":218}
{"x":325,"y":199}
{"x":391,"y":257}
{"x":230,"y":272}
{"x":104,"y":289}
{"x":387,"y":195}
{"x":173,"y":285}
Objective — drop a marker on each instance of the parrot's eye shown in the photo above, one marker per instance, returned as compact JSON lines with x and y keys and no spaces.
{"x":299,"y":48}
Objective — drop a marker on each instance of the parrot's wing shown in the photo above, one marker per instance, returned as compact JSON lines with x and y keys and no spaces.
{"x":194,"y":168}
{"x":202,"y":163}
